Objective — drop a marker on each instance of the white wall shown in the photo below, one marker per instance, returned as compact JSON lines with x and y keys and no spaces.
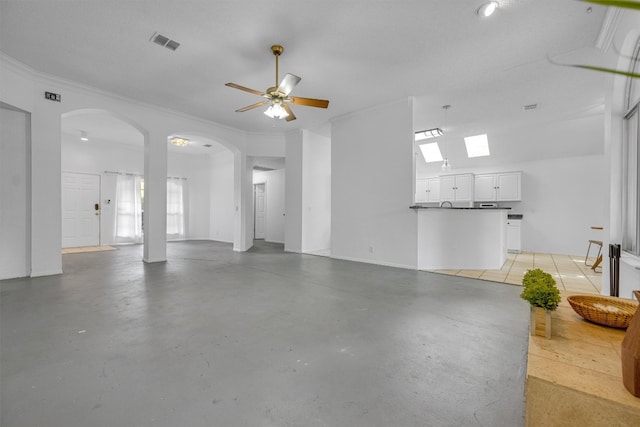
{"x":371,"y":190}
{"x":275,"y":203}
{"x":15,"y":209}
{"x":222,"y":205}
{"x":316,"y":192}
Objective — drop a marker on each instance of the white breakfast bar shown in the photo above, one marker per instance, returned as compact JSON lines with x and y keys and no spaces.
{"x":461,"y":238}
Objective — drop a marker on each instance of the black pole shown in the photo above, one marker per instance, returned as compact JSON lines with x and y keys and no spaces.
{"x":614,"y":270}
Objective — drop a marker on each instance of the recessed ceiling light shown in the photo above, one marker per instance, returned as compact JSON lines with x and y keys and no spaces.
{"x":431,"y":152}
{"x":477,"y":146}
{"x":487,"y":9}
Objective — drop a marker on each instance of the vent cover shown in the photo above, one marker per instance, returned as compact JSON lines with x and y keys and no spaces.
{"x":165,"y":41}
{"x":207,"y":145}
{"x":262,"y":168}
{"x":529,"y":107}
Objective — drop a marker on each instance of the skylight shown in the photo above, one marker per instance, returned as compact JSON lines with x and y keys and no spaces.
{"x":477,"y":146}
{"x":431,"y":152}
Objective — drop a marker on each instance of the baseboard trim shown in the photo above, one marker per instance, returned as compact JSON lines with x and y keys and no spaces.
{"x":45,"y":273}
{"x":382,"y":263}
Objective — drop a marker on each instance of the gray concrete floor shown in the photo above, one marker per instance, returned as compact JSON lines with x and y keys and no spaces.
{"x":263,"y":338}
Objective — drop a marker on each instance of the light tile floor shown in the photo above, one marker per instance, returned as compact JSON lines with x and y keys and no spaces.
{"x":570,"y":272}
{"x":83,"y":249}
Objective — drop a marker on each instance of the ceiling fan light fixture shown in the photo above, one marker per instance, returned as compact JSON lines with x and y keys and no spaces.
{"x":487,"y":9}
{"x":276,"y":111}
{"x":179,"y":142}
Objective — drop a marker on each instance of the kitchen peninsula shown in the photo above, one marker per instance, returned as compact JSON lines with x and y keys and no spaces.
{"x":461,"y":238}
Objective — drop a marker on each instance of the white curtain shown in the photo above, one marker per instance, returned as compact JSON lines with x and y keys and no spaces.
{"x":128,"y":227}
{"x":175,"y":208}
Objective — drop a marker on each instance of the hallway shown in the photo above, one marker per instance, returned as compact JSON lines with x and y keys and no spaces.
{"x":216,"y":337}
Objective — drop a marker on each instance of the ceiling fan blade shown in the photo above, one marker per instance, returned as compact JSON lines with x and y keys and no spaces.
{"x":252,"y":106}
{"x":288,"y":83}
{"x":291,"y":116}
{"x":246,"y":89}
{"x":309,"y":102}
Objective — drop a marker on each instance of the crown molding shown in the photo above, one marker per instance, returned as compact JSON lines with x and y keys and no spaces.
{"x":44,"y":78}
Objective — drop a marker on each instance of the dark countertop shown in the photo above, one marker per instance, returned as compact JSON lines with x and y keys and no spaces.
{"x":457,"y":208}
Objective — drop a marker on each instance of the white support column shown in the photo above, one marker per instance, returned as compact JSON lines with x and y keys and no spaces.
{"x":293,"y":192}
{"x":155,"y":197}
{"x":46,"y":189}
{"x":243,"y":199}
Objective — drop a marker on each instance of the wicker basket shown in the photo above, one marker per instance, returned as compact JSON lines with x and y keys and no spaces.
{"x":608,"y":311}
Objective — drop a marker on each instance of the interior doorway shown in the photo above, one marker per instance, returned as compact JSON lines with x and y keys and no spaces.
{"x":80,"y":210}
{"x":259,"y":211}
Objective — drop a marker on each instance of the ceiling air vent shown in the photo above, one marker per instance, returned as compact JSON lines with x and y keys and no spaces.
{"x":207,"y":145}
{"x":529,"y":107}
{"x":164,"y":41}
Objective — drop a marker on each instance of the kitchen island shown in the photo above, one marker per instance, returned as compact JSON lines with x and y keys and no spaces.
{"x":461,"y":238}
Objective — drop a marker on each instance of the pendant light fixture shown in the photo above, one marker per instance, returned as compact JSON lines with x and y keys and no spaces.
{"x":446,"y":166}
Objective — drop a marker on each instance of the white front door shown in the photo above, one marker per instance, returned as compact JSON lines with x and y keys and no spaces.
{"x":80,"y":210}
{"x":259,"y":210}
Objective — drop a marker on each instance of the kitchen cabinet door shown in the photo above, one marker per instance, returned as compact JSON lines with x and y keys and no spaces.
{"x":509,"y":186}
{"x":422,"y":195}
{"x":433,"y":190}
{"x":464,"y":188}
{"x":485,"y":187}
{"x":514,"y":236}
{"x":447,"y":188}
{"x":456,"y":188}
{"x":428,"y":190}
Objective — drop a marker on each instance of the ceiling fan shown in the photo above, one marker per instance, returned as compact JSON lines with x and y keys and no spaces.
{"x":278,"y":97}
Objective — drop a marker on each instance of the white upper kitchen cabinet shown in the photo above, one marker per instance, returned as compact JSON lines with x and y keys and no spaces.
{"x":498,"y":187}
{"x":456,"y":188}
{"x":428,"y":190}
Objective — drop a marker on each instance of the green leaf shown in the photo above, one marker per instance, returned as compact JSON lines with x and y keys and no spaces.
{"x":616,"y":3}
{"x":604,"y":70}
{"x":595,"y":68}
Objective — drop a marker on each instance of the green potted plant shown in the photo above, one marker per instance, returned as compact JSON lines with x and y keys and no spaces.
{"x":541,"y":293}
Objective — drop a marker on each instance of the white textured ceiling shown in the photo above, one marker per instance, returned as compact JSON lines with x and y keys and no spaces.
{"x":356,"y":53}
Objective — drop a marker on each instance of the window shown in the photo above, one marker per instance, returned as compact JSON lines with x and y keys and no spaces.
{"x":128,"y":227}
{"x":631,"y":180}
{"x":175,"y":208}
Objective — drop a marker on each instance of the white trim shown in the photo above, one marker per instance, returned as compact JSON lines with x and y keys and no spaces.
{"x":630,"y":260}
{"x":609,"y":28}
{"x":45,"y":273}
{"x":45,"y":78}
{"x":377,"y":262}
